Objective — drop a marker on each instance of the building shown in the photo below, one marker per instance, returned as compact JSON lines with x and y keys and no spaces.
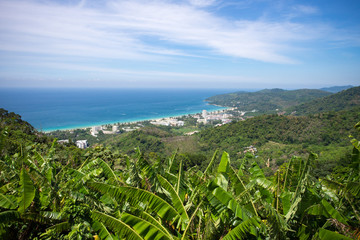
{"x":204,"y":114}
{"x":82,"y":144}
{"x":168,"y":122}
{"x":95,"y":130}
{"x":115,"y":129}
{"x":204,"y":121}
{"x":129,"y":129}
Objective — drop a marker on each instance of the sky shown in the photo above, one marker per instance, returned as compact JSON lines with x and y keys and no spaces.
{"x":240,"y":44}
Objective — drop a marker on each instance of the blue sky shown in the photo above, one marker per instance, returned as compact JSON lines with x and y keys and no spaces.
{"x":188,"y":44}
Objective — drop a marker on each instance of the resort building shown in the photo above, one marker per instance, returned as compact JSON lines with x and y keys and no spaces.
{"x":168,"y":122}
{"x":115,"y":129}
{"x":204,"y":114}
{"x":129,"y":129}
{"x":95,"y":130}
{"x":82,"y":144}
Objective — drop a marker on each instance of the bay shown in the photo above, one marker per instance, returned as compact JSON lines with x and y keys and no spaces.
{"x":59,"y":109}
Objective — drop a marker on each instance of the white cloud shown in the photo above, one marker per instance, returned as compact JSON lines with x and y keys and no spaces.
{"x":145,"y":30}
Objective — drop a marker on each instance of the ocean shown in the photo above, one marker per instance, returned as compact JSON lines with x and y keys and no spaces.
{"x":60,"y":109}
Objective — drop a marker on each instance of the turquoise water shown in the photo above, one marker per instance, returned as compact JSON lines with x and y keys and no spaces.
{"x":54,"y":109}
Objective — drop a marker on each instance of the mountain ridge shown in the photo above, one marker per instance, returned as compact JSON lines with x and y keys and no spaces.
{"x":267,"y":100}
{"x":345,"y":99}
{"x":335,"y":89}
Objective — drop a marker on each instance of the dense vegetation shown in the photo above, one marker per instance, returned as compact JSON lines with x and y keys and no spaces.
{"x":267,"y":100}
{"x":102,"y":194}
{"x":289,"y":177}
{"x":336,"y":89}
{"x":277,"y":139}
{"x":320,"y":129}
{"x":346,"y":99}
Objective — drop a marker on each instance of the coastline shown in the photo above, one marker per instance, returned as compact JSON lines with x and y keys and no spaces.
{"x":130,"y":121}
{"x":49,"y":110}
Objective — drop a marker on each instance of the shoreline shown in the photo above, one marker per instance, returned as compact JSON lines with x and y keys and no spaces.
{"x":131,"y":121}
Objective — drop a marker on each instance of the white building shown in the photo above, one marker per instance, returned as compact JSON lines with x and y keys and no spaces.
{"x":95,"y":130}
{"x":168,"y":122}
{"x":82,"y":144}
{"x":115,"y":129}
{"x":129,"y":129}
{"x":204,"y":121}
{"x":204,"y":113}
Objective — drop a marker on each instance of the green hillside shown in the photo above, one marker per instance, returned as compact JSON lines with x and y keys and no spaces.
{"x":321,"y":129}
{"x":276,"y":137}
{"x":267,"y":100}
{"x":336,"y":89}
{"x":55,"y":191}
{"x":336,"y":102}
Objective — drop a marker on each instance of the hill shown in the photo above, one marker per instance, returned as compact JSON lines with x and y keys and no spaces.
{"x":320,"y":129}
{"x":267,"y":100}
{"x":336,"y":89}
{"x":276,"y":137}
{"x":48,"y":193}
{"x":339,"y":101}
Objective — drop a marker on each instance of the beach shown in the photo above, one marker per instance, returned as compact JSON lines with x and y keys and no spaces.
{"x":138,"y":121}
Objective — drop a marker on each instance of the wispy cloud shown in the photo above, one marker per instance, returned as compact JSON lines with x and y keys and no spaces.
{"x":86,"y":35}
{"x":143,"y":30}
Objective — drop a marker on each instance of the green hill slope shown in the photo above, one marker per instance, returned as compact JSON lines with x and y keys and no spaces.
{"x":336,"y":102}
{"x":46,"y":193}
{"x":267,"y":100}
{"x":321,"y":129}
{"x":275,"y":137}
{"x":336,"y":89}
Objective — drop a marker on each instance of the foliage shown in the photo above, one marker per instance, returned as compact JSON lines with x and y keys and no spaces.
{"x":315,"y":130}
{"x":105,"y":194}
{"x":267,"y":100}
{"x":336,"y":89}
{"x":346,"y":99}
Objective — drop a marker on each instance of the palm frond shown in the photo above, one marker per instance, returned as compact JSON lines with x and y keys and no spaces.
{"x":171,"y":161}
{"x":240,"y":188}
{"x":136,"y":196}
{"x":151,"y":219}
{"x":353,"y":188}
{"x":145,"y":229}
{"x":333,"y":212}
{"x":325,"y":234}
{"x":58,"y":228}
{"x":27,"y":191}
{"x":109,"y":173}
{"x":176,"y":201}
{"x":225,"y":199}
{"x":124,"y":230}
{"x":9,"y":216}
{"x":224,"y":164}
{"x":8,"y":201}
{"x":211,"y":164}
{"x":189,"y":224}
{"x":102,"y":231}
{"x":242,"y":230}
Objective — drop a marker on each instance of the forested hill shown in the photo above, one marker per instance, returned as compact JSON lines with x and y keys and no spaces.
{"x":339,"y":101}
{"x":56,"y":191}
{"x":320,"y":129}
{"x":267,"y":100}
{"x":336,"y":89}
{"x":276,"y":137}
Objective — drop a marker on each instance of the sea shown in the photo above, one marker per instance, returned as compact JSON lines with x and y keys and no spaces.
{"x":61,"y":109}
